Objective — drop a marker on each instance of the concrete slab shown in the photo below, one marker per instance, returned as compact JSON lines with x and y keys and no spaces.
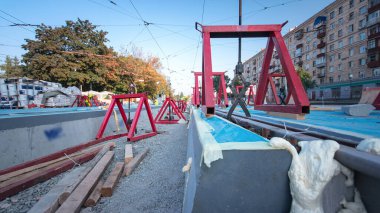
{"x":359,"y":110}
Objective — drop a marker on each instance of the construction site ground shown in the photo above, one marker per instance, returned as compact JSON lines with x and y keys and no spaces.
{"x":156,"y":185}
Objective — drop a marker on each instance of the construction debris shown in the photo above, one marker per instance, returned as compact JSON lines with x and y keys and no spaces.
{"x":80,"y":194}
{"x":61,"y":191}
{"x":112,"y":180}
{"x":128,"y":153}
{"x":135,"y":162}
{"x":94,"y":196}
{"x":20,"y":182}
{"x":358,"y":109}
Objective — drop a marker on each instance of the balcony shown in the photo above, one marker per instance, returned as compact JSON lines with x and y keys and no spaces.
{"x":373,"y":5}
{"x":321,"y":32}
{"x":373,"y":64}
{"x":321,"y":45}
{"x":299,"y":34}
{"x":373,"y":21}
{"x":321,"y":75}
{"x":300,"y":63}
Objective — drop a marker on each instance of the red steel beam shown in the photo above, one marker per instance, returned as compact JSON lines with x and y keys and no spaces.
{"x":208,"y":105}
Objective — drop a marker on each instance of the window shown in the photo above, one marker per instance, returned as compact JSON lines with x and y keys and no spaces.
{"x":350,"y":28}
{"x":376,"y":72}
{"x":332,"y":57}
{"x":331,"y":69}
{"x":340,"y":44}
{"x":351,"y":16}
{"x":323,"y":50}
{"x":307,"y":57}
{"x":340,"y":21}
{"x":362,"y":36}
{"x":362,"y":61}
{"x":362,"y":10}
{"x":331,"y":36}
{"x":332,"y":47}
{"x":362,"y":23}
{"x":351,"y":52}
{"x":350,"y":64}
{"x":331,"y":80}
{"x":374,"y":30}
{"x":351,"y":3}
{"x":362,"y":49}
{"x":314,"y":44}
{"x":332,"y":15}
{"x":339,"y":78}
{"x":340,"y":33}
{"x":372,"y":17}
{"x":339,"y":56}
{"x":315,"y":54}
{"x":361,"y":75}
{"x":340,"y":67}
{"x":351,"y":40}
{"x":307,"y":47}
{"x":340,"y":10}
{"x":372,"y":58}
{"x":371,"y":43}
{"x":332,"y":26}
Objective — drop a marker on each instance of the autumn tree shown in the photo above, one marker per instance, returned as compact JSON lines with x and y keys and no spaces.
{"x":73,"y":54}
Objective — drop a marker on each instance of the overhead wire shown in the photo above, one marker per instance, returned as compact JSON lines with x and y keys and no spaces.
{"x":16,"y":24}
{"x":200,"y":36}
{"x":146,"y":24}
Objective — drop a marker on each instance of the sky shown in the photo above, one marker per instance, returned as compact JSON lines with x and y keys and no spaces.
{"x":170,"y":34}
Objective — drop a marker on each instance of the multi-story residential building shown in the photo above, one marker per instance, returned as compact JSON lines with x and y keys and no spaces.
{"x":338,"y":47}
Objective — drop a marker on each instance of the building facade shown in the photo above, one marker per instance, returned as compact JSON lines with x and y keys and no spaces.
{"x":338,"y":47}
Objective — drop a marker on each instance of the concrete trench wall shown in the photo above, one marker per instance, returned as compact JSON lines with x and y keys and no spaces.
{"x":27,"y":138}
{"x":246,"y":181}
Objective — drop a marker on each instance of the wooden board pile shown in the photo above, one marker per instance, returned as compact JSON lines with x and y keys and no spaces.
{"x":83,"y":186}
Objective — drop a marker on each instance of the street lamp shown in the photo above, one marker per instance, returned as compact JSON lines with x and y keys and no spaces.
{"x":350,"y":76}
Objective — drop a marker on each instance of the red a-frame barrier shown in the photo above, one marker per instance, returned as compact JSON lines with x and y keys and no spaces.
{"x":222,"y":91}
{"x":275,"y":39}
{"x":169,"y":108}
{"x":131,"y":129}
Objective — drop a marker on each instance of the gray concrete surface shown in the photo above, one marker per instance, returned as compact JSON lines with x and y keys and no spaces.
{"x":359,"y":110}
{"x":155,"y":186}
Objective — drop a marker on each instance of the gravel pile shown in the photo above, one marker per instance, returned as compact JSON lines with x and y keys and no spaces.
{"x":157,"y":185}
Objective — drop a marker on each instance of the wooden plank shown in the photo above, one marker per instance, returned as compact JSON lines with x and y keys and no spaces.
{"x":288,"y":115}
{"x":42,"y":165}
{"x":112,"y":180}
{"x":42,"y":175}
{"x":57,"y":154}
{"x":135,"y":162}
{"x":94,"y":196}
{"x":70,"y":187}
{"x":128,"y":155}
{"x":74,"y":202}
{"x":60,"y":192}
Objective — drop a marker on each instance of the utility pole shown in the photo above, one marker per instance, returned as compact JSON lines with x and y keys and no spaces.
{"x":239,"y":75}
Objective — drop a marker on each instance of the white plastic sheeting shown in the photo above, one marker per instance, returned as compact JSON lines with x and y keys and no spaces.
{"x":371,"y":145}
{"x":310,"y":172}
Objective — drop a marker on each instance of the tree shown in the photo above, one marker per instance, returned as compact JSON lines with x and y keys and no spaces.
{"x":12,"y":67}
{"x":73,"y":54}
{"x":306,"y":79}
{"x":216,"y":80}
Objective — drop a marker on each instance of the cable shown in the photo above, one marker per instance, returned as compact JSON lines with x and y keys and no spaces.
{"x":16,"y":24}
{"x":9,"y":45}
{"x":113,"y":9}
{"x":146,"y":24}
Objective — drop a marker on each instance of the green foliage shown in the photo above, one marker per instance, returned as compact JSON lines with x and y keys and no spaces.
{"x":306,"y":79}
{"x":76,"y":55}
{"x":12,"y":67}
{"x":73,"y":54}
{"x":216,"y":80}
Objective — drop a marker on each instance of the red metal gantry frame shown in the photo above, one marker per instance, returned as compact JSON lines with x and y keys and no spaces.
{"x":169,"y":103}
{"x":275,"y":39}
{"x":182,"y":105}
{"x":222,"y":92}
{"x":131,"y":129}
{"x":251,"y":94}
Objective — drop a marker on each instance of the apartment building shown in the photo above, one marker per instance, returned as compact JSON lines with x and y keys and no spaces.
{"x":338,"y":47}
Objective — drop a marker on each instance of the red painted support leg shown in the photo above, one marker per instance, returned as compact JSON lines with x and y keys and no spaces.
{"x":208,"y":106}
{"x":174,"y":110}
{"x":376,"y":103}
